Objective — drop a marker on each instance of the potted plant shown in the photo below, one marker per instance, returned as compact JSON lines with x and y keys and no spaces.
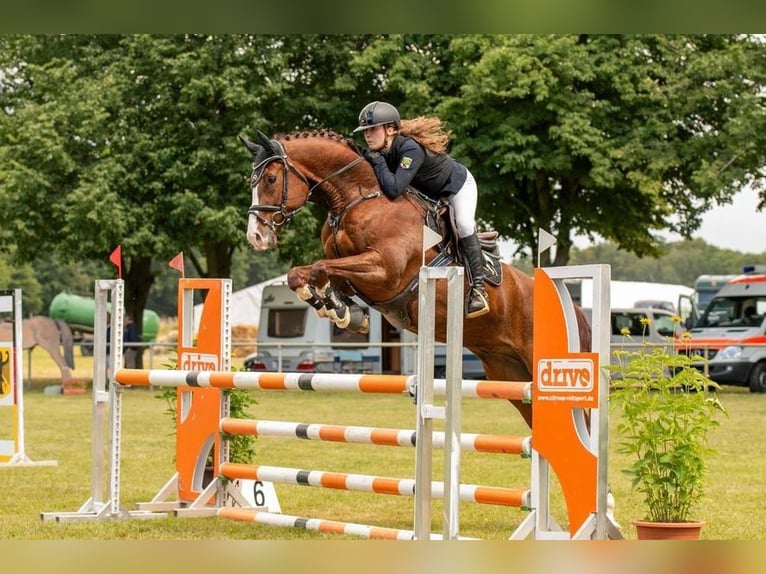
{"x":667,"y":408}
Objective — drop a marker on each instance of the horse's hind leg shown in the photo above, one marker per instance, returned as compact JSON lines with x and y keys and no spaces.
{"x":525,"y":410}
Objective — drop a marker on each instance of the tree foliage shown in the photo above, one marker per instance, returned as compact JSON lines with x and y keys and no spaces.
{"x":618,"y":137}
{"x":131,"y":140}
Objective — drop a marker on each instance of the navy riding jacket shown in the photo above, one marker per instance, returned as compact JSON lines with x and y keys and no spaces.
{"x":408,"y":162}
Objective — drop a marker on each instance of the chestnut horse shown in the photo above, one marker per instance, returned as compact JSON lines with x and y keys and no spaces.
{"x":374,"y":250}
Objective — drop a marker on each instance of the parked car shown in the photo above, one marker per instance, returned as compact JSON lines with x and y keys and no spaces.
{"x":647,"y":327}
{"x":642,"y":329}
{"x":644,"y":324}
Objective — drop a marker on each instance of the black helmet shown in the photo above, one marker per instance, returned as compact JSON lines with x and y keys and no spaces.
{"x":377,"y":114}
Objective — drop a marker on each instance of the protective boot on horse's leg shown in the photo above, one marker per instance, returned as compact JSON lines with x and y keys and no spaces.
{"x":308,"y":294}
{"x":477,"y":302}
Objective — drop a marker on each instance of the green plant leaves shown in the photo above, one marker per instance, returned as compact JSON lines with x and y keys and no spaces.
{"x":667,"y":409}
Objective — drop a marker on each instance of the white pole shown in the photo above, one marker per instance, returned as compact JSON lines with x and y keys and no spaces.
{"x":18,"y":375}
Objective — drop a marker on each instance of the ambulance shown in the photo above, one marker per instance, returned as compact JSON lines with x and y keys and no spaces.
{"x":731,"y":332}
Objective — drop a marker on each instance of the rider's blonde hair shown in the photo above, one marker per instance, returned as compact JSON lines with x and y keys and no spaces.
{"x":430,"y":131}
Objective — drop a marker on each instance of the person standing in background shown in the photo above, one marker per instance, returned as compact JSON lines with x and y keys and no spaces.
{"x":130,"y":335}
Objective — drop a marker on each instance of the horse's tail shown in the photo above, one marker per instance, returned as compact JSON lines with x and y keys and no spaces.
{"x":67,"y":340}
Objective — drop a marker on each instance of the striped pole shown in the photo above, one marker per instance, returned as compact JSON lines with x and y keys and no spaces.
{"x":320,"y":382}
{"x":488,"y":443}
{"x":366,"y":483}
{"x":319,"y":525}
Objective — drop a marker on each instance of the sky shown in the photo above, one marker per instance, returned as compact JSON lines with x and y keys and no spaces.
{"x":736,"y":226}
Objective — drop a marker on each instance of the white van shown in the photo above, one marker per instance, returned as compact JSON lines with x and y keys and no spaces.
{"x":641,"y":329}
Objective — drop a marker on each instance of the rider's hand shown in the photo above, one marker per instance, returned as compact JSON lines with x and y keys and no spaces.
{"x":371,"y":156}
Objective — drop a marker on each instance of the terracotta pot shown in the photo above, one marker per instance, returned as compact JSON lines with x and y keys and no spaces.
{"x":668,"y":530}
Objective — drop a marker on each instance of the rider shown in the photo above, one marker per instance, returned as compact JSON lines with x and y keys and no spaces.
{"x":414,"y":152}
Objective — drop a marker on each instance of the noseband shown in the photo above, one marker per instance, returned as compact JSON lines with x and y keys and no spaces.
{"x":282,"y":215}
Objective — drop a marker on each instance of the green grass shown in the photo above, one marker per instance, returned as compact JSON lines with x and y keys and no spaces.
{"x":59,"y":427}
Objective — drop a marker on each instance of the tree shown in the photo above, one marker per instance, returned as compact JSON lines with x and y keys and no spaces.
{"x":132,"y":140}
{"x":680,"y":261}
{"x":22,"y":277}
{"x":612,"y":136}
{"x":129,"y":140}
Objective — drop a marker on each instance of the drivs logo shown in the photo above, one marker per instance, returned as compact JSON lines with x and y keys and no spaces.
{"x":198,"y":362}
{"x":572,"y":375}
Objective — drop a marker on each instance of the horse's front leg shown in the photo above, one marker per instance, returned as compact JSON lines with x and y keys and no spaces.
{"x":343,"y":311}
{"x":298,"y":279}
{"x":364,"y":271}
{"x":327,"y":301}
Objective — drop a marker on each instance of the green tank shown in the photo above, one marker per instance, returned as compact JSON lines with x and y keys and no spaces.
{"x":77,"y":310}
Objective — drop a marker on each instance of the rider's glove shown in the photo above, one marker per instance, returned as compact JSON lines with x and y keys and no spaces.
{"x":371,"y":156}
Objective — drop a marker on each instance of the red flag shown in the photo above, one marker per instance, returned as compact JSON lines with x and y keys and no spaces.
{"x":116,"y":258}
{"x":178,"y":263}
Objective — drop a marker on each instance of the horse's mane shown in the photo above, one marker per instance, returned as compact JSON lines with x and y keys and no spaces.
{"x":339,"y":147}
{"x":324,"y":134}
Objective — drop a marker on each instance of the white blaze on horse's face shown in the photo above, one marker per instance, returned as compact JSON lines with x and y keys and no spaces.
{"x":260,"y":236}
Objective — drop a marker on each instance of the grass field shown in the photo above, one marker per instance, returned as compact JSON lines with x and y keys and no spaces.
{"x":59,"y":427}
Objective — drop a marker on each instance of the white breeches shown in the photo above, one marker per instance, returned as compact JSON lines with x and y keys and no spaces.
{"x":464,"y":207}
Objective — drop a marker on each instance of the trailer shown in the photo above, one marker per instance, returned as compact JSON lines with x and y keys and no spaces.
{"x":292,"y":338}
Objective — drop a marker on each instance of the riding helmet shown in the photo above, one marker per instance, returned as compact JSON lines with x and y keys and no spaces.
{"x":376,"y":114}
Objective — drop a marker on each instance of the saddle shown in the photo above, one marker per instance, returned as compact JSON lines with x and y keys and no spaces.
{"x":439,"y":217}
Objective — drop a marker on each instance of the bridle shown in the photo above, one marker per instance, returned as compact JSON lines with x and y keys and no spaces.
{"x":283,"y":215}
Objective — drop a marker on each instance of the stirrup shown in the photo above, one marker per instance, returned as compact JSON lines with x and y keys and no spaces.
{"x":477,"y":304}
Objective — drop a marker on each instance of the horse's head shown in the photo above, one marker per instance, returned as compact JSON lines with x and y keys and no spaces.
{"x":280,"y":190}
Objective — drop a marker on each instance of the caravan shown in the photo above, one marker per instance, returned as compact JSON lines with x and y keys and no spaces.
{"x":292,"y":338}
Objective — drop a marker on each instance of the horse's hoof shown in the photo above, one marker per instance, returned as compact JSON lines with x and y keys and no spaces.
{"x":344,"y":321}
{"x":341,"y":317}
{"x":359,"y":321}
{"x":306,"y":294}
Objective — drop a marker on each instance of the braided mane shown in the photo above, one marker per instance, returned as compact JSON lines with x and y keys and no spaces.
{"x":322,"y":133}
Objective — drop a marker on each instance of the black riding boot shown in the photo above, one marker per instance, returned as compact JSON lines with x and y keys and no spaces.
{"x":477,"y":302}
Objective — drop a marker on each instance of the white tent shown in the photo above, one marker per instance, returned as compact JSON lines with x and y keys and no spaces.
{"x":627,"y":293}
{"x":245,"y":304}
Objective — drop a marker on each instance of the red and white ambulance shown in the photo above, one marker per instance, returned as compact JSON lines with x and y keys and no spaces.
{"x":732,"y":332}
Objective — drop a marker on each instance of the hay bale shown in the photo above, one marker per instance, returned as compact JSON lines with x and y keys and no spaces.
{"x":243,"y":338}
